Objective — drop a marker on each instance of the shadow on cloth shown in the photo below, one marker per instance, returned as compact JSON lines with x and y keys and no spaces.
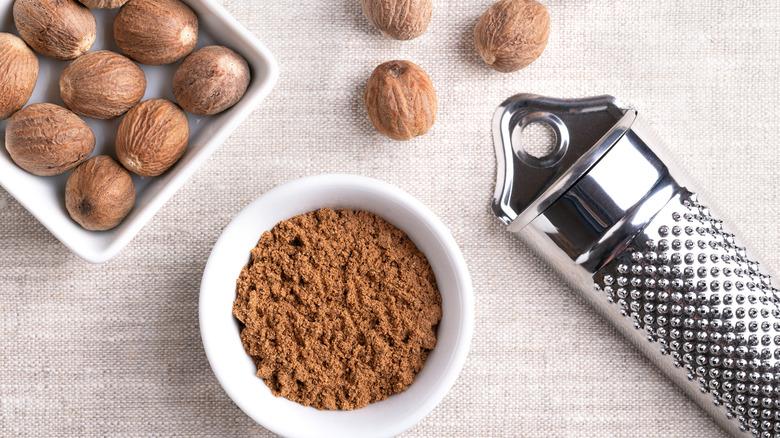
{"x":467,"y":50}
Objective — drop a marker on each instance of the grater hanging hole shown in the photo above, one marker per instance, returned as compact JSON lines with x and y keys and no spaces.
{"x":540,"y":139}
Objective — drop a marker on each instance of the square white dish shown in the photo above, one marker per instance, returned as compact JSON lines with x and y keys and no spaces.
{"x":44,"y":197}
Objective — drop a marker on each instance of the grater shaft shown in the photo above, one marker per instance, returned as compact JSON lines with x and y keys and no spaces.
{"x":705,"y":307}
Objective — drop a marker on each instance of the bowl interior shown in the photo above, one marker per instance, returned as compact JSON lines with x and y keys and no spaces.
{"x":220,"y":331}
{"x":44,"y":197}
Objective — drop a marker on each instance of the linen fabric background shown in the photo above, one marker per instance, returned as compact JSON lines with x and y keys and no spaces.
{"x":114,"y":349}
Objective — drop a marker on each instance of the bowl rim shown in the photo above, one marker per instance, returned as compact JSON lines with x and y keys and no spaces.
{"x":287,"y":191}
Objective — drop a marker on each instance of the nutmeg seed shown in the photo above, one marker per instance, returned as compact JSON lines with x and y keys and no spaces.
{"x":400,"y":100}
{"x":152,"y":137}
{"x":399,"y":19}
{"x":156,"y":32}
{"x":102,"y":85}
{"x":511,"y":34}
{"x":59,"y":29}
{"x":210,"y":80}
{"x":103,"y":4}
{"x":99,"y":194}
{"x":18,"y":74}
{"x":45,"y":139}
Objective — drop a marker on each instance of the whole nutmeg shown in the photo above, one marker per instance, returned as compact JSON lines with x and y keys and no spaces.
{"x":156,"y":32}
{"x":59,"y":29}
{"x":511,"y":34}
{"x":210,"y":80}
{"x":45,"y":139}
{"x":400,"y":100}
{"x":99,"y":194}
{"x":18,"y":74}
{"x":152,"y":137}
{"x":399,"y":19}
{"x":102,"y":85}
{"x":103,"y":4}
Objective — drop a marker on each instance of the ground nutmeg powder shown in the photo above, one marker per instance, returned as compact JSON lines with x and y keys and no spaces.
{"x":338,"y":309}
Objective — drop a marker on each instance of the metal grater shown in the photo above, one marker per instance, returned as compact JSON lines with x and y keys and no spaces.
{"x":607,"y":208}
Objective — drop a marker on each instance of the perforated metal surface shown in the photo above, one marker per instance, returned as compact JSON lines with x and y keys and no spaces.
{"x":707,"y":306}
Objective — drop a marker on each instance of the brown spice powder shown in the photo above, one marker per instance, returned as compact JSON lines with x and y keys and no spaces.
{"x":338,"y":309}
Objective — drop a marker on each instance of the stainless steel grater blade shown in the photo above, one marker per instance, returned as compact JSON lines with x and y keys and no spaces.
{"x":608,"y":209}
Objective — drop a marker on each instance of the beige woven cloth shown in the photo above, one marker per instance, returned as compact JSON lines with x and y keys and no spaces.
{"x":114,"y":349}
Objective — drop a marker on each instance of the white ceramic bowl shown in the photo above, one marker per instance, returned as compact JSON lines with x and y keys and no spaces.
{"x":236,"y":371}
{"x":44,"y":197}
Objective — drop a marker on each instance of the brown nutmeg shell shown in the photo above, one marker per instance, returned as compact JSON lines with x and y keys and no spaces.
{"x":103,"y":4}
{"x":400,"y":100}
{"x":511,"y":34}
{"x":99,"y":194}
{"x":399,"y":19}
{"x":18,"y":74}
{"x":152,"y":137}
{"x":102,"y":85}
{"x":156,"y":32}
{"x":59,"y":29}
{"x":211,"y":80}
{"x":45,"y":139}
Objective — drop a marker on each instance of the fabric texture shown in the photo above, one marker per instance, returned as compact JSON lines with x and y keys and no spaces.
{"x":114,"y":349}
